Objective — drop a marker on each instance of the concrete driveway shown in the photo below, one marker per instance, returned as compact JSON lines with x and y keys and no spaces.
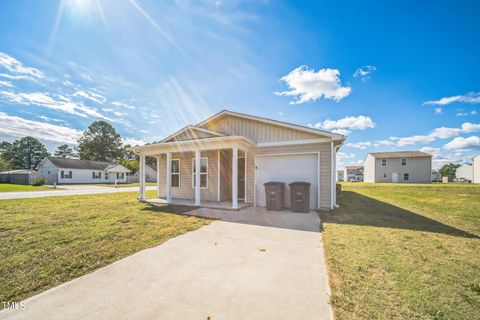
{"x":226,"y":270}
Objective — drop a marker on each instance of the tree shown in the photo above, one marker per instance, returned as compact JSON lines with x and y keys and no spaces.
{"x":4,"y":165}
{"x":100,"y":142}
{"x":64,"y":151}
{"x":26,"y":153}
{"x":5,"y":146}
{"x":448,"y":170}
{"x":133,"y":165}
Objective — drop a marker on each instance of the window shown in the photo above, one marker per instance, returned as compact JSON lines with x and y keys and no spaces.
{"x":203,"y":173}
{"x":96,"y":175}
{"x":120,"y":175}
{"x":106,"y":175}
{"x":66,"y":175}
{"x":175,"y":173}
{"x":406,"y":176}
{"x":384,"y":162}
{"x":384,"y":175}
{"x":403,"y":161}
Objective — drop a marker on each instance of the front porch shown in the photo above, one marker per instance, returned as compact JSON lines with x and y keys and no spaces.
{"x":210,"y":172}
{"x":222,"y":205}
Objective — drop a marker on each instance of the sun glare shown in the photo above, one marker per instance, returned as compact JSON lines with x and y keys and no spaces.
{"x":79,"y":6}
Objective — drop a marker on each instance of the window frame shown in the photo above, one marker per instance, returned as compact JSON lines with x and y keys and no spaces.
{"x":386,"y":162}
{"x":175,"y":173}
{"x":201,"y":173}
{"x":401,"y":161}
{"x":407,"y":175}
{"x":95,"y":177}
{"x":65,"y":175}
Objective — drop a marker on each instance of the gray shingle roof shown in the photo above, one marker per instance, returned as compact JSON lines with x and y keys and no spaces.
{"x":79,"y":164}
{"x":400,"y":154}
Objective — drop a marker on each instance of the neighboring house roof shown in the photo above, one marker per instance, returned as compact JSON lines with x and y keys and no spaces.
{"x":334,"y":136}
{"x":82,"y":164}
{"x":18,"y":171}
{"x":354,"y":167}
{"x":400,"y":154}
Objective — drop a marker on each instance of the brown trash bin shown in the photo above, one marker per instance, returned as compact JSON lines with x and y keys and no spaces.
{"x":274,"y":195}
{"x":300,"y":197}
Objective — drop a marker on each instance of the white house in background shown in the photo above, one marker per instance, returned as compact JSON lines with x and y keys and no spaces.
{"x":476,"y":169}
{"x":72,"y":171}
{"x":150,"y":175}
{"x":398,"y":167}
{"x":353,"y":173}
{"x":340,"y":175}
{"x":465,"y":171}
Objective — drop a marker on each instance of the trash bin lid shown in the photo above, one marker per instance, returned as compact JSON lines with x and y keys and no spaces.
{"x":274,"y":183}
{"x":299,"y":183}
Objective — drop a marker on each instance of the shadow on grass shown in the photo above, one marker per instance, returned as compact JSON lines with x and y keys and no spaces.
{"x":170,"y":208}
{"x":356,"y":209}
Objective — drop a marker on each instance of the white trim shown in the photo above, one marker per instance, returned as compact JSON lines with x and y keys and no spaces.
{"x":198,"y":165}
{"x":292,"y":142}
{"x":284,"y":154}
{"x":142,"y":177}
{"x":332,"y":175}
{"x":168,"y":179}
{"x":245,"y":177}
{"x":193,"y":172}
{"x":158,"y":177}
{"x":218,"y":175}
{"x":235,"y":177}
{"x":179,"y":174}
{"x":334,"y":136}
{"x":190,"y":127}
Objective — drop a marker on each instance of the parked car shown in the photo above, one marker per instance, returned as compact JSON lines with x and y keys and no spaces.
{"x":463,"y":180}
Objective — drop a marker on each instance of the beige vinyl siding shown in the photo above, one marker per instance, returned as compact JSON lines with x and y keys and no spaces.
{"x":256,"y":131}
{"x":325,"y":166}
{"x":191,"y":134}
{"x":185,"y":191}
{"x":369,"y":169}
{"x":418,"y":168}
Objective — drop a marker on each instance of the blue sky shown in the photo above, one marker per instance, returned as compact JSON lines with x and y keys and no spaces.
{"x":391,"y":75}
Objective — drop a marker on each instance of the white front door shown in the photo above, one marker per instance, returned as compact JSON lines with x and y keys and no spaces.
{"x":287,"y":169}
{"x":395,"y":177}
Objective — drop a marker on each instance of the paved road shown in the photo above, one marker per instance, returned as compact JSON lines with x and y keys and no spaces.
{"x":226,"y":270}
{"x":69,"y":192}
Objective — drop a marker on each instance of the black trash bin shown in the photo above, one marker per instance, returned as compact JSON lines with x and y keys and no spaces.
{"x":274,"y":195}
{"x":300,"y":197}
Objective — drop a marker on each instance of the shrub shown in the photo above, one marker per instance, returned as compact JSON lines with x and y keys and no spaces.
{"x":38,"y":182}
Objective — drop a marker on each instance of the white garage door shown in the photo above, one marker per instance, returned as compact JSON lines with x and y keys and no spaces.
{"x":287,"y":169}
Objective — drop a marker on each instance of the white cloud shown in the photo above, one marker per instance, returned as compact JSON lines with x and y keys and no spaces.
{"x":364,"y":72}
{"x":464,"y":114}
{"x":471,"y":97}
{"x":133,"y":142}
{"x":17,"y":68}
{"x":344,"y":132}
{"x":5,"y":84}
{"x":95,"y":97}
{"x":349,"y":123}
{"x":307,"y":85}
{"x":45,"y":118}
{"x":123,"y":104}
{"x":438,"y":110}
{"x":44,"y":100}
{"x":360,"y":145}
{"x":461,"y":143}
{"x":17,"y":127}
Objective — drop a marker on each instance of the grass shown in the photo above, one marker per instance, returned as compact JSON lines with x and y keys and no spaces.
{"x":397,"y":251}
{"x":125,"y":185}
{"x":7,"y":187}
{"x":47,"y":241}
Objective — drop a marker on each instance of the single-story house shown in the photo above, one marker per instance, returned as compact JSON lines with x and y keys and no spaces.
{"x":353,"y":173}
{"x":476,"y":169}
{"x":465,"y":171}
{"x":398,"y":167}
{"x":72,"y":171}
{"x":236,"y":154}
{"x":150,"y":175}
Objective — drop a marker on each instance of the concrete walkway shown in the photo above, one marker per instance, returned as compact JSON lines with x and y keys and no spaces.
{"x":85,"y":189}
{"x":226,"y":270}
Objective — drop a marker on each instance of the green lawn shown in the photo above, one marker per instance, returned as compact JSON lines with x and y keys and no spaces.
{"x":397,"y":251}
{"x":125,"y":185}
{"x":7,"y":187}
{"x":47,"y":241}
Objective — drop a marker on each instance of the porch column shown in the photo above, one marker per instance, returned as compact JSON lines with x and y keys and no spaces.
{"x":141,"y":177}
{"x":158,"y":177}
{"x":197,"y":177}
{"x":169,"y":177}
{"x":235,"y":177}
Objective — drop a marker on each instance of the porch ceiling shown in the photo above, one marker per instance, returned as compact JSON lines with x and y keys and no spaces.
{"x":198,"y":144}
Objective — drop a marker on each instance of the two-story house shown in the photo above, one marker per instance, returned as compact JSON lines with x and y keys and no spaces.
{"x":398,"y":167}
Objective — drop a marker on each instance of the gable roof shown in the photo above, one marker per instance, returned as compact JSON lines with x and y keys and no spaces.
{"x":204,"y":132}
{"x":80,"y":164}
{"x":334,"y":136}
{"x":400,"y":154}
{"x":354,"y":167}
